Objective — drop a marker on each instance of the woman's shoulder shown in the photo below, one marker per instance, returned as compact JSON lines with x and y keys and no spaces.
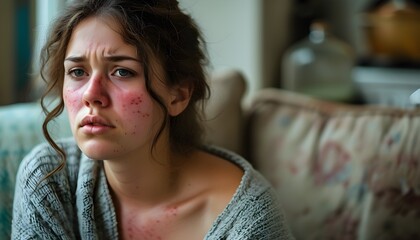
{"x":252,"y":190}
{"x":253,"y":184}
{"x":254,"y":209}
{"x":252,"y":179}
{"x":44,"y":159}
{"x":44,"y":203}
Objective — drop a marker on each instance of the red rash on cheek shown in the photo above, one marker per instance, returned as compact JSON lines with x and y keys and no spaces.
{"x":136,"y":100}
{"x":72,"y":99}
{"x":135,"y":105}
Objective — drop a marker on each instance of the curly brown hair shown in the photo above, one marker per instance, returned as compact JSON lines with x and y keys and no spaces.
{"x":159,"y":30}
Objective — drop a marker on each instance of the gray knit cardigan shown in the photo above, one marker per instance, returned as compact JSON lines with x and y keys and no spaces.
{"x":76,"y":203}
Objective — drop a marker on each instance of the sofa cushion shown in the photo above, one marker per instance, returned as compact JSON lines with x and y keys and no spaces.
{"x":20,"y":131}
{"x":342,"y":171}
{"x":224,"y":115}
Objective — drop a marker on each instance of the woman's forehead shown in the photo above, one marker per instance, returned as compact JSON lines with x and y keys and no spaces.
{"x":98,"y":35}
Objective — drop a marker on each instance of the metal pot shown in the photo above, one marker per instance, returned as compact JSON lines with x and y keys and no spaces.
{"x":393,"y":31}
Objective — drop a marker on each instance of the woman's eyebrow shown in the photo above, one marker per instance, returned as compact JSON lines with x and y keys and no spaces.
{"x":119,"y":58}
{"x":75,"y":59}
{"x":113,"y":58}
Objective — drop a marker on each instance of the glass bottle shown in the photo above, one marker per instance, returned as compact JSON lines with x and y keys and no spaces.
{"x":320,"y":66}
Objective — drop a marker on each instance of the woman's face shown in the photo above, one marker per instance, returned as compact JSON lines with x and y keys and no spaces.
{"x":110,"y":111}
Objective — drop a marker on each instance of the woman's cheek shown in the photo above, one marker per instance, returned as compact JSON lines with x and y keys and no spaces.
{"x":136,"y":111}
{"x":72,"y":101}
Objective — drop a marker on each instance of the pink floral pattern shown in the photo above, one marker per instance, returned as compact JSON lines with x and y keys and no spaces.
{"x":341,"y":171}
{"x":330,"y":165}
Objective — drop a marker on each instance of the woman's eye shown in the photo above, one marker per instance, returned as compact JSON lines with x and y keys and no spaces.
{"x":123,"y":73}
{"x":77,"y":73}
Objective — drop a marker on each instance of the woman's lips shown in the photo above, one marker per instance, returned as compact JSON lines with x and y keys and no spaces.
{"x":94,"y":125}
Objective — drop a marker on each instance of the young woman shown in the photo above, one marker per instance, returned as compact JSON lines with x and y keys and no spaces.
{"x":130,"y":75}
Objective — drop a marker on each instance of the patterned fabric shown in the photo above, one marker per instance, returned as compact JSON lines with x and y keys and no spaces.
{"x":75,"y":203}
{"x":342,"y":172}
{"x":20,"y":131}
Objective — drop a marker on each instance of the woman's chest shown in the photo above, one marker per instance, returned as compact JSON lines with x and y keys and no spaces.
{"x":169,"y":223}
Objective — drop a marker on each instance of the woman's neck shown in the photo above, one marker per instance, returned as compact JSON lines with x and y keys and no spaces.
{"x":144,"y":179}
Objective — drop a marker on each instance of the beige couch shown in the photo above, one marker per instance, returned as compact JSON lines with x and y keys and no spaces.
{"x":342,"y":172}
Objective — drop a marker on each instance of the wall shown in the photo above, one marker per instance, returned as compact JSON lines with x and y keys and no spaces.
{"x":46,"y":10}
{"x":244,"y":34}
{"x":276,"y":28}
{"x":7,"y":46}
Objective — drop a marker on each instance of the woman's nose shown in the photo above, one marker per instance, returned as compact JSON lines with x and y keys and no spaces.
{"x":96,"y":94}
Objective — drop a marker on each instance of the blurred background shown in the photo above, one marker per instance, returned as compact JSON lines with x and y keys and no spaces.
{"x":369,"y":47}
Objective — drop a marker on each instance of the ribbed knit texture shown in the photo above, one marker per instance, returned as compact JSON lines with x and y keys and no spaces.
{"x":76,"y":203}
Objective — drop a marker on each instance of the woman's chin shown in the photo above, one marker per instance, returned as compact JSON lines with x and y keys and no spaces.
{"x":99,"y":149}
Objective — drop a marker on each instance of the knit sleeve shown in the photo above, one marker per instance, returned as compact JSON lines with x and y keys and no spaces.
{"x":43,"y":208}
{"x":261,"y":218}
{"x":266,"y":221}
